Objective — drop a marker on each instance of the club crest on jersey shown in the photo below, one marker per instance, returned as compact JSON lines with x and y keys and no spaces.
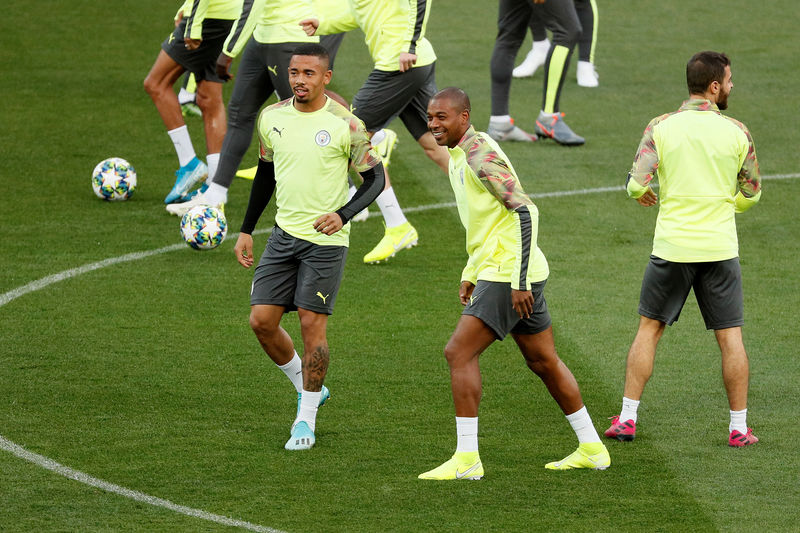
{"x":323,"y":138}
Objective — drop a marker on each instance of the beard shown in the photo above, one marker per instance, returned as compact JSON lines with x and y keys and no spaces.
{"x":722,"y":101}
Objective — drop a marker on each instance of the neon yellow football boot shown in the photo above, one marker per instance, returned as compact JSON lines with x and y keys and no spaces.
{"x":592,"y":455}
{"x":463,"y":465}
{"x":394,"y":240}
{"x":386,"y":146}
{"x":247,"y":173}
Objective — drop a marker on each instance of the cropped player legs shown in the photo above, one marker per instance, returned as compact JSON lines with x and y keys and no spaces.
{"x":588,"y":16}
{"x":735,"y":366}
{"x":468,"y":341}
{"x":560,"y":17}
{"x":265,"y":321}
{"x":158,"y":84}
{"x":639,"y":367}
{"x":512,"y":24}
{"x":541,"y":357}
{"x":209,"y":100}
{"x":316,"y":356}
{"x":251,"y":89}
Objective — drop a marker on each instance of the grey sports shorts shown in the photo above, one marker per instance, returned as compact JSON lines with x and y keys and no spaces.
{"x":296,"y":273}
{"x":386,"y":95}
{"x":717,"y":286}
{"x":491,"y":302}
{"x":202,"y":62}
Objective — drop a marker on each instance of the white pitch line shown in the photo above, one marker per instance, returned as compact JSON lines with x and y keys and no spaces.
{"x":49,"y":464}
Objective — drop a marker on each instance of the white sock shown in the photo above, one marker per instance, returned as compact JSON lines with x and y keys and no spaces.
{"x":581,"y":424}
{"x":390,"y":208}
{"x":738,"y":421}
{"x":629,"y":408}
{"x":467,"y":432}
{"x":294,"y":371}
{"x":499,"y":120}
{"x":309,"y":403}
{"x":183,"y":144}
{"x":377,"y":137}
{"x":217,"y":194}
{"x":541,"y":46}
{"x":212,"y":160}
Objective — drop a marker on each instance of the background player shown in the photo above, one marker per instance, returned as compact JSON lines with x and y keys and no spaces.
{"x":400,"y":85}
{"x":585,"y":72}
{"x":273,"y":25}
{"x":200,"y":30}
{"x":502,"y":289}
{"x":307,"y":144}
{"x":512,"y":23}
{"x":707,"y":168}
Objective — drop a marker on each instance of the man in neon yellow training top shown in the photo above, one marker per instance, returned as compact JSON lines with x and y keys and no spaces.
{"x":502,"y":289}
{"x":307,"y":144}
{"x":706,"y":166}
{"x":201,"y":27}
{"x":400,"y":85}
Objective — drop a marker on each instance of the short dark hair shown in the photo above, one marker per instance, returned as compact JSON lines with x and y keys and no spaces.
{"x":457,"y":97}
{"x":704,"y":68}
{"x":313,"y":49}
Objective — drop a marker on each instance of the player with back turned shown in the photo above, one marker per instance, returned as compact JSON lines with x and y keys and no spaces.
{"x":307,"y":144}
{"x":502,"y":289}
{"x":706,"y":166}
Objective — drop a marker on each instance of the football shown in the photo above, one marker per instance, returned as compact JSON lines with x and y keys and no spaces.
{"x":204,"y":227}
{"x":114,"y":179}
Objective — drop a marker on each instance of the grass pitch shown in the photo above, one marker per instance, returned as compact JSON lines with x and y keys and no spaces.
{"x":145,"y":374}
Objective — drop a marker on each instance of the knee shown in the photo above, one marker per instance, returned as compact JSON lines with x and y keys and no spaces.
{"x":260,"y":324}
{"x":542,"y":364}
{"x":151,"y":86}
{"x":453,"y":355}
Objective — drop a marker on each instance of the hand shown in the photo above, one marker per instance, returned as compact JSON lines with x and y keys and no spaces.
{"x":649,"y":198}
{"x":178,"y":18}
{"x":465,"y":292}
{"x":310,"y":26}
{"x":329,"y":223}
{"x":192,"y":44}
{"x":224,"y":67}
{"x":407,"y":61}
{"x":522,"y":302}
{"x":244,"y":250}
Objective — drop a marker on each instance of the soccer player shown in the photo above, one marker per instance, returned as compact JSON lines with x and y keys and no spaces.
{"x":502,"y":289}
{"x":201,"y":27}
{"x":512,"y":23}
{"x":268,"y":32}
{"x":586,"y":73}
{"x":706,"y":165}
{"x":401,"y":84}
{"x":307,"y":144}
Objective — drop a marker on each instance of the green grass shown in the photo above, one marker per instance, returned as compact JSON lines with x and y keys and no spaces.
{"x":145,"y":374}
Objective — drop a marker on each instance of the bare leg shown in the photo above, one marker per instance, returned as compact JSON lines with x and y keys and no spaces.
{"x":209,"y":100}
{"x":265,"y":320}
{"x":437,"y":154}
{"x":468,"y":341}
{"x":735,"y":366}
{"x":540,"y":354}
{"x":158,"y":84}
{"x":316,"y":355}
{"x":639,"y":367}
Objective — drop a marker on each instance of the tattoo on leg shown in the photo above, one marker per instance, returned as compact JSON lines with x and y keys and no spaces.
{"x":315,"y":366}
